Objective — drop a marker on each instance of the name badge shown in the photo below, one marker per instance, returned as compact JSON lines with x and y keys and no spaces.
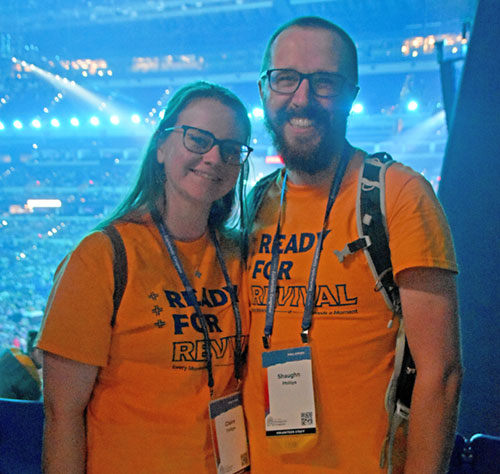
{"x":229,"y":434}
{"x":290,"y":409}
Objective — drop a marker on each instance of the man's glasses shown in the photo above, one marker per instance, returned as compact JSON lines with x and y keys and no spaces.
{"x":323,"y":84}
{"x":201,"y":141}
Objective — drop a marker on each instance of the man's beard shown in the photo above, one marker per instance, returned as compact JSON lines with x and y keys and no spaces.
{"x":304,"y":156}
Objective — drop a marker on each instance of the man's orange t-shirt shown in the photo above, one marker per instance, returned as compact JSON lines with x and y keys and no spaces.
{"x":149,"y":409}
{"x":352,"y":347}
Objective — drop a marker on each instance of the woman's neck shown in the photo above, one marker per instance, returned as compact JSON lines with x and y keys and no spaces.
{"x":185,"y":223}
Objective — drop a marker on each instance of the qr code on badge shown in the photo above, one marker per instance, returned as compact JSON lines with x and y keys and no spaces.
{"x":306,"y":418}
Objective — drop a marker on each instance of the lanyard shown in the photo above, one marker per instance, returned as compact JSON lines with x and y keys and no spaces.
{"x":273,"y":277}
{"x":191,"y":295}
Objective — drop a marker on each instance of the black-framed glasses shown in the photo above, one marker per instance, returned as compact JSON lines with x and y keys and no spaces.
{"x":322,"y":83}
{"x":202,"y":141}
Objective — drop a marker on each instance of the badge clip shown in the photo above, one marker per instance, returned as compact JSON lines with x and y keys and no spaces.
{"x":265,"y":341}
{"x":304,"y":335}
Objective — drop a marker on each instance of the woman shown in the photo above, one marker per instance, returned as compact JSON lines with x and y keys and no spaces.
{"x":133,"y":397}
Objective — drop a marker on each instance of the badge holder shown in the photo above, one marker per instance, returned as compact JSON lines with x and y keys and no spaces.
{"x":290,"y":420}
{"x":229,"y":437}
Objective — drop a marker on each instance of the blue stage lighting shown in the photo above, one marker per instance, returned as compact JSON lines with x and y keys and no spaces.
{"x":94,"y":121}
{"x":258,"y":112}
{"x":114,"y":119}
{"x":55,"y":122}
{"x":412,"y":105}
{"x":135,"y":118}
{"x":36,"y":123}
{"x":357,"y":108}
{"x":17,"y":124}
{"x":2,"y":126}
{"x":74,"y":121}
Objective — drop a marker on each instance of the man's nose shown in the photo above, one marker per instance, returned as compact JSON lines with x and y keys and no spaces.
{"x":302,"y":95}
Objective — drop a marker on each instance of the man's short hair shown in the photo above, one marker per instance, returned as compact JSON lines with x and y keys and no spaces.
{"x":312,"y":22}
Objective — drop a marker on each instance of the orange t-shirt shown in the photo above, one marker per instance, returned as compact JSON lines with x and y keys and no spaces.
{"x":352,"y":347}
{"x":149,"y":408}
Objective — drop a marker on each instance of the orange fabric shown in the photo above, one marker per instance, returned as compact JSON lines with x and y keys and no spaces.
{"x":149,"y":408}
{"x":352,"y":348}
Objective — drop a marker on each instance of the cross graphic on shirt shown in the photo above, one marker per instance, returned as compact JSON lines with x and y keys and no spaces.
{"x":153,"y":295}
{"x":197,"y":274}
{"x":160,"y":323}
{"x":157,"y":310}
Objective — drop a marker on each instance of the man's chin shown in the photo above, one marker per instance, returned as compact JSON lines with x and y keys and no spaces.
{"x":308,"y":159}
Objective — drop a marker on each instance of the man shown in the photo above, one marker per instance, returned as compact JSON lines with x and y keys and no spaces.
{"x":20,"y":372}
{"x":308,"y":83}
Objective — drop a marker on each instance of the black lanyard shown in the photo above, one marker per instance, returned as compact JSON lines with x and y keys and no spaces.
{"x":273,"y":277}
{"x":191,"y":296}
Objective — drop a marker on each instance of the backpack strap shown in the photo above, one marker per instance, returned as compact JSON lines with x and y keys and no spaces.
{"x":372,"y":225}
{"x":253,"y":203}
{"x":119,"y":267}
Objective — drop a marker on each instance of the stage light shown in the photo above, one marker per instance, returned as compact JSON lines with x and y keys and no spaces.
{"x":412,"y":105}
{"x":114,"y":119}
{"x":136,"y":118}
{"x":161,"y":114}
{"x":17,"y":124}
{"x":55,"y":122}
{"x":2,"y":126}
{"x":94,"y":121}
{"x":36,"y":123}
{"x":357,"y":108}
{"x":258,"y":112}
{"x":74,"y":121}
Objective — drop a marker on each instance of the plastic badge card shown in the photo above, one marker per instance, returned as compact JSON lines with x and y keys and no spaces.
{"x":229,"y":434}
{"x":290,"y":407}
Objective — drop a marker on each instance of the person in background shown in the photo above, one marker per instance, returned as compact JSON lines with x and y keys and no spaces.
{"x":133,"y":397}
{"x":334,"y":372}
{"x":20,"y":371}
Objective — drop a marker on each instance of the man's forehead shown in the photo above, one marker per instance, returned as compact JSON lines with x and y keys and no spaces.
{"x":315,"y":45}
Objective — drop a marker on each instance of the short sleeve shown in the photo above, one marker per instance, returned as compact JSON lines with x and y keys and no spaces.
{"x":419,"y":234}
{"x":76,"y":323}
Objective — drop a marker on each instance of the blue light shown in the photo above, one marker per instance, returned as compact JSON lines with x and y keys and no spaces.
{"x":114,"y":119}
{"x":135,"y":118}
{"x":17,"y":124}
{"x":74,"y":121}
{"x":412,"y":105}
{"x":258,"y":112}
{"x":36,"y":123}
{"x":2,"y":126}
{"x":55,"y":122}
{"x":94,"y":121}
{"x":357,"y":108}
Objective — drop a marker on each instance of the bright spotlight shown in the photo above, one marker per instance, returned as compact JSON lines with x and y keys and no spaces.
{"x":74,"y":121}
{"x":135,"y":118}
{"x":2,"y":126}
{"x":412,"y":105}
{"x":357,"y":108}
{"x":94,"y":121}
{"x":36,"y":123}
{"x":55,"y":123}
{"x":114,"y":119}
{"x":258,"y":112}
{"x":161,"y":114}
{"x":17,"y":124}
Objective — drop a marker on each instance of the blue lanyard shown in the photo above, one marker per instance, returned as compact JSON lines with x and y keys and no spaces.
{"x":273,"y":277}
{"x":191,"y":296}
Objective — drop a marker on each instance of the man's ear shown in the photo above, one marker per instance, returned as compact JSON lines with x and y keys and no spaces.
{"x":261,"y":90}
